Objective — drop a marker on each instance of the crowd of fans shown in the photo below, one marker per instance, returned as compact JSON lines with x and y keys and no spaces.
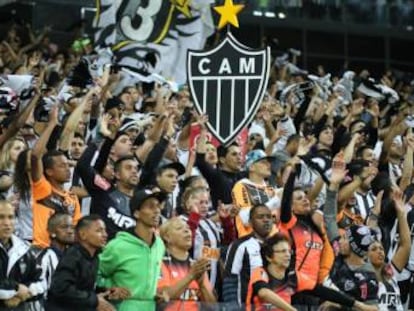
{"x":108,"y":205}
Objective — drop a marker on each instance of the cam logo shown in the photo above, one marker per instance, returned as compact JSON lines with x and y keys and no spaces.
{"x":228,"y":84}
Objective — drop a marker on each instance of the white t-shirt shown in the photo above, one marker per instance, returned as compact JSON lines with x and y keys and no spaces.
{"x":389,"y":297}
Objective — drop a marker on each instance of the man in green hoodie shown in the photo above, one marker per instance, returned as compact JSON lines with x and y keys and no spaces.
{"x":133,"y":258}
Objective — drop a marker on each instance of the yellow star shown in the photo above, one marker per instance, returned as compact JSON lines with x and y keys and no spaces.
{"x":183,"y":6}
{"x":228,"y":13}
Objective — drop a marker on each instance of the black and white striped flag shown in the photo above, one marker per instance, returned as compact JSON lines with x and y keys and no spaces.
{"x":149,"y":37}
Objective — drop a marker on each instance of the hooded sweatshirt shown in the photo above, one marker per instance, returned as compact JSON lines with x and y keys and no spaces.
{"x":127,"y":261}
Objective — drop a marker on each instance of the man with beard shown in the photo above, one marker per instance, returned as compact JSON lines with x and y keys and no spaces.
{"x":111,"y":203}
{"x":244,"y":255}
{"x":77,"y":146}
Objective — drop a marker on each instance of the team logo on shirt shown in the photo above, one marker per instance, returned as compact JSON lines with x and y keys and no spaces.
{"x":392,"y":300}
{"x":314,"y":245}
{"x":119,"y":219}
{"x":349,"y":285}
{"x":22,"y":266}
{"x":228,"y":83}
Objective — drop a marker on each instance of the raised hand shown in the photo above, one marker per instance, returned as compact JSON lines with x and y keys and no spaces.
{"x":201,"y":142}
{"x":357,"y":106}
{"x":54,"y":114}
{"x":194,"y":208}
{"x":104,"y":128}
{"x":224,"y":210}
{"x":305,"y":145}
{"x":338,"y":169}
{"x":374,"y":108}
{"x":398,"y":198}
{"x":280,"y":132}
{"x":376,"y":210}
{"x":202,"y":120}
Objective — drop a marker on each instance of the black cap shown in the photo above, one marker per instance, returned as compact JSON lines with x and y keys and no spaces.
{"x":140,"y":196}
{"x":175,"y":166}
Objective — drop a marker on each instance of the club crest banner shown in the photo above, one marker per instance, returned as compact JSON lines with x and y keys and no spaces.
{"x":228,"y":84}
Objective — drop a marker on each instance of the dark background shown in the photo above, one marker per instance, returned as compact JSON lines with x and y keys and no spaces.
{"x":335,"y":35}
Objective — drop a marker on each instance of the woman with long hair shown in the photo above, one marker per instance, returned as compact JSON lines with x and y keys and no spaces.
{"x":8,"y":158}
{"x":313,"y":256}
{"x":389,"y":297}
{"x":22,"y":189}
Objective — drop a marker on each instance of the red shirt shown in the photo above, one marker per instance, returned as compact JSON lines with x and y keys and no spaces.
{"x":173,"y":271}
{"x":279,"y":287}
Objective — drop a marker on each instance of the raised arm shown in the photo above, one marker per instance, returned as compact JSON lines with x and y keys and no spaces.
{"x":19,"y":121}
{"x":350,"y":148}
{"x":331,"y":205}
{"x":154,"y":135}
{"x":402,"y":254}
{"x":39,"y":148}
{"x":73,"y":121}
{"x":407,"y":171}
{"x":109,"y":133}
{"x":348,"y":190}
{"x":286,"y":208}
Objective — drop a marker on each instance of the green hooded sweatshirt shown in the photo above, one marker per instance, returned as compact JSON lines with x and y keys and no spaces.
{"x":129,"y":262}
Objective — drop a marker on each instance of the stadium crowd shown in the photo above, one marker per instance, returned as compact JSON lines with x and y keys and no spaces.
{"x":108,"y":204}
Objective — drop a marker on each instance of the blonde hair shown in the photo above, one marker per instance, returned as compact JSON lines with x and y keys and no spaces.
{"x":166,"y":227}
{"x":5,"y":155}
{"x":190,"y":193}
{"x":7,"y":203}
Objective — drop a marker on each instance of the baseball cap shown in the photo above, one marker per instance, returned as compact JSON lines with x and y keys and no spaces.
{"x":256,"y":156}
{"x":175,"y":166}
{"x":140,"y":196}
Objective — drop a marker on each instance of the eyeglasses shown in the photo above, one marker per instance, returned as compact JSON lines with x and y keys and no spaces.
{"x":281,"y":251}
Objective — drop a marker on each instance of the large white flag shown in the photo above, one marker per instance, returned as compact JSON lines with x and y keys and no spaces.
{"x":153,"y":38}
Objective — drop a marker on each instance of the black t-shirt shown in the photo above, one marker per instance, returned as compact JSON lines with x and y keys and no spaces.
{"x":358,"y":282}
{"x":106,"y":201}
